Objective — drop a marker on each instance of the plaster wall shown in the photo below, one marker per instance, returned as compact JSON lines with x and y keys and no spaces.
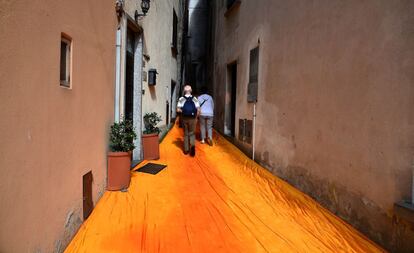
{"x":157,"y":39}
{"x":335,"y":104}
{"x":51,"y":136}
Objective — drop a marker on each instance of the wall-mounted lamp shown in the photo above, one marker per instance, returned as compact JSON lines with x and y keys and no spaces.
{"x":145,"y":5}
{"x":152,"y":77}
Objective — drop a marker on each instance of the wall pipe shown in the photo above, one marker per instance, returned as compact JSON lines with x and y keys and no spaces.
{"x":254,"y":129}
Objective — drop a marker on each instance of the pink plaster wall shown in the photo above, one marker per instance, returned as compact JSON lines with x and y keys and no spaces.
{"x":51,"y":136}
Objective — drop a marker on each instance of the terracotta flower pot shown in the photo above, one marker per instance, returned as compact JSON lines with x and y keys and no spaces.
{"x":151,"y":146}
{"x":119,"y":175}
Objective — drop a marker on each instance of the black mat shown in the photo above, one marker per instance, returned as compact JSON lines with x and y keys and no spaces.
{"x":151,"y":168}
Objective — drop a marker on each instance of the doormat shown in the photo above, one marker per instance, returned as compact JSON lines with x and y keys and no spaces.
{"x":151,"y":168}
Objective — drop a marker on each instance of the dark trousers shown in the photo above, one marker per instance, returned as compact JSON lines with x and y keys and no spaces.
{"x":189,"y":132}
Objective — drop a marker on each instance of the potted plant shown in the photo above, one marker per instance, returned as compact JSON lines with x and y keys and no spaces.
{"x":150,"y":140}
{"x":122,"y":138}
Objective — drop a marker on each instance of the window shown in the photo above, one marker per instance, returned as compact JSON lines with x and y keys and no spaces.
{"x":65,"y":61}
{"x":253,"y":76}
{"x":174,"y":33}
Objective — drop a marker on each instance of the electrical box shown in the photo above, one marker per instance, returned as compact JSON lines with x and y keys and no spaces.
{"x":242,"y":127}
{"x":245,"y":130}
{"x":152,"y":77}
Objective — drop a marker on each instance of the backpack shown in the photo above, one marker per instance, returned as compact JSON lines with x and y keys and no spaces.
{"x":189,"y":109}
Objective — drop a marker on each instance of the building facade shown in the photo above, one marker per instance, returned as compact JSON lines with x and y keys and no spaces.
{"x":66,"y":75}
{"x":321,"y":93}
{"x":198,"y":51}
{"x":149,"y":46}
{"x":57,"y":77}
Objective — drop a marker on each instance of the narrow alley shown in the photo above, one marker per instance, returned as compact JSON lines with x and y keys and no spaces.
{"x":218,"y":201}
{"x":303,"y":109}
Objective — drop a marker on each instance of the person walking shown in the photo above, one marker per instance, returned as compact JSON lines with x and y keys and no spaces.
{"x":189,"y":107}
{"x":206,"y":116}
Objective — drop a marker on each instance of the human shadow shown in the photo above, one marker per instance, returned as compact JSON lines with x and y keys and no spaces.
{"x":179,"y":143}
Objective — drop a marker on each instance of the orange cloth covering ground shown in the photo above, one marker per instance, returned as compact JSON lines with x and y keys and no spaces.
{"x":219,"y":201}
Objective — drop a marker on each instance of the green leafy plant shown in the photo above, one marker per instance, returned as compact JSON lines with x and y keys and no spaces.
{"x":150,"y":122}
{"x":122,"y":136}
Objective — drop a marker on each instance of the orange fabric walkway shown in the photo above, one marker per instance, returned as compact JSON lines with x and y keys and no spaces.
{"x":219,"y":201}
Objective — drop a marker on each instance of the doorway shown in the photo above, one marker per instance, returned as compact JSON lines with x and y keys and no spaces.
{"x":132,"y":93}
{"x":230,"y":123}
{"x":129,"y":75}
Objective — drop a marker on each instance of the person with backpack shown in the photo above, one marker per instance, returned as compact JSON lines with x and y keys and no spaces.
{"x":189,"y":107}
{"x":206,"y":116}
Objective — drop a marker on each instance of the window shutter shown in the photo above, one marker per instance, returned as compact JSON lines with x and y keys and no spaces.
{"x":253,"y":76}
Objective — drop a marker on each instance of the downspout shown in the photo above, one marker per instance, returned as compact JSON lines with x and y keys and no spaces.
{"x":117,"y":72}
{"x":254,"y":130}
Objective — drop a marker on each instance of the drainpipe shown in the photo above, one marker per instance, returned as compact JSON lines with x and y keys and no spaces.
{"x":117,"y":72}
{"x":254,"y":129}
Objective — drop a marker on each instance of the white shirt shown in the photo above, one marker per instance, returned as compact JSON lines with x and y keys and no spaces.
{"x":206,"y":105}
{"x":182,"y":100}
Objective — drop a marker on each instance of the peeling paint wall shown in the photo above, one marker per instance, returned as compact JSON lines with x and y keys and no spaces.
{"x":335,"y":104}
{"x":51,"y":136}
